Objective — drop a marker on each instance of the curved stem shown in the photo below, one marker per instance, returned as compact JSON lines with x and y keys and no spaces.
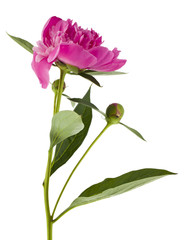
{"x":76,"y":168}
{"x":62,"y":214}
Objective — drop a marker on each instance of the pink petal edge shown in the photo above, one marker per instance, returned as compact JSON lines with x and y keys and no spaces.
{"x":51,"y":22}
{"x":42,"y":70}
{"x":103,"y":55}
{"x":110,"y":67}
{"x":53,"y":55}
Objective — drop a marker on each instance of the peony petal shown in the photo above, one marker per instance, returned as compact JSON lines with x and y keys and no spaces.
{"x":99,"y":52}
{"x":38,"y":58}
{"x":53,"y":55}
{"x":42,"y":70}
{"x":116,"y":52}
{"x":61,"y":26}
{"x":103,"y":55}
{"x":112,"y":66}
{"x":75,"y":55}
{"x":45,"y":33}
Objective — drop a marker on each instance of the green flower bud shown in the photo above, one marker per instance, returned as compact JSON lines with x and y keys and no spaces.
{"x":55,"y":86}
{"x":114,"y":113}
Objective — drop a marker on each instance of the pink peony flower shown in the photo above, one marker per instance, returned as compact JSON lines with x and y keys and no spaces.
{"x":70,"y":44}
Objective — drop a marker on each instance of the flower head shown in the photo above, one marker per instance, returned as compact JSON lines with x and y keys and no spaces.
{"x":69,"y":43}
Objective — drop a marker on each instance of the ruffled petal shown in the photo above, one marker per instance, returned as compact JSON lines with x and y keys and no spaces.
{"x":99,"y":52}
{"x":103,"y":55}
{"x":109,"y":62}
{"x":53,"y":55}
{"x":45,"y":32}
{"x":116,"y":52}
{"x":42,"y":70}
{"x":75,"y":55}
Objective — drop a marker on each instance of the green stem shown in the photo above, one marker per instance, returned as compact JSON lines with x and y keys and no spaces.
{"x":46,"y":196}
{"x":57,"y":102}
{"x":60,"y":89}
{"x":62,"y":214}
{"x":75,"y":169}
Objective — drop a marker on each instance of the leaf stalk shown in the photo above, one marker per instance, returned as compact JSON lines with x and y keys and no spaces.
{"x":76,"y":166}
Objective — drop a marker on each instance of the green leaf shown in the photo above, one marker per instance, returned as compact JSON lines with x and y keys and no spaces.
{"x":67,"y":148}
{"x":86,"y":103}
{"x":115,"y":186}
{"x":90,"y":78}
{"x":25,"y":44}
{"x":104,"y":73}
{"x":64,"y":125}
{"x":134,"y":131}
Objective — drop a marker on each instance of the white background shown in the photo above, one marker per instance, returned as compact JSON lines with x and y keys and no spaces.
{"x":150,"y":36}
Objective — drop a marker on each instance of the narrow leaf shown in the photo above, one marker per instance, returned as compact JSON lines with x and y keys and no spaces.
{"x":115,"y":186}
{"x":25,"y":44}
{"x":90,"y":78}
{"x":134,"y":131}
{"x":104,"y":73}
{"x":86,"y":103}
{"x":64,"y":125}
{"x":65,"y":149}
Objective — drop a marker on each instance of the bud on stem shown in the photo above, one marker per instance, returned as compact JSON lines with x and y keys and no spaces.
{"x":55,"y":86}
{"x":114,"y":113}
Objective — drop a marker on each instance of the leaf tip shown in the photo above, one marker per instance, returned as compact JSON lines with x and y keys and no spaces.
{"x":133,"y":131}
{"x":8,"y":34}
{"x":143,"y":138}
